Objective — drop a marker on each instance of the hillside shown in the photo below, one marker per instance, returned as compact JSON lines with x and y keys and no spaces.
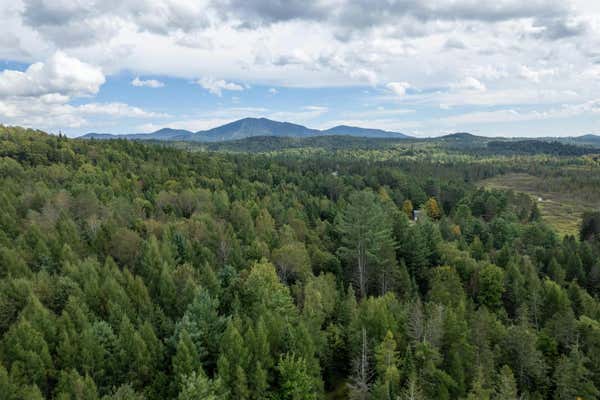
{"x":246,"y":128}
{"x":135,"y":271}
{"x":363,"y":132}
{"x":263,"y":144}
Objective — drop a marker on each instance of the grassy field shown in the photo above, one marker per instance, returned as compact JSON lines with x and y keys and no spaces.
{"x":561,"y":210}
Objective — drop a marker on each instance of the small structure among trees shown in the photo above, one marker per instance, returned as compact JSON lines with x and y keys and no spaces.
{"x":416,"y":214}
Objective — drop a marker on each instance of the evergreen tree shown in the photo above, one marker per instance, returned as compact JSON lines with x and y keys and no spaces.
{"x":412,"y":390}
{"x":478,"y":390}
{"x":387,"y":386}
{"x":297,"y":383}
{"x":186,"y":359}
{"x":506,"y":387}
{"x":365,"y":230}
{"x":573,"y":379}
{"x":197,"y":386}
{"x":232,"y":363}
{"x":72,"y":386}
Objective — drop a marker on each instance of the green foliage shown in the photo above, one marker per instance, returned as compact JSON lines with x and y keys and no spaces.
{"x":490,"y":281}
{"x":365,"y":231}
{"x":590,"y":225}
{"x":135,"y":271}
{"x":297,"y":383}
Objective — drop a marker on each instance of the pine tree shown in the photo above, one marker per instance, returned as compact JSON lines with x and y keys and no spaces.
{"x":197,"y":386}
{"x":573,"y":379}
{"x":412,"y":390}
{"x":478,"y":389}
{"x":506,"y":387}
{"x":27,"y":356}
{"x":72,"y":386}
{"x":386,"y":365}
{"x":292,"y":262}
{"x":297,"y":382}
{"x":490,"y":279}
{"x":365,"y":231}
{"x":186,"y":359}
{"x":232,"y":361}
{"x":204,"y":326}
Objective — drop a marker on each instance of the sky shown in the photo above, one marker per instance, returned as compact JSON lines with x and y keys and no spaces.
{"x":420,"y":67}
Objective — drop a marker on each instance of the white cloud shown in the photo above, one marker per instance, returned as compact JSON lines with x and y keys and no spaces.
{"x":469,"y":84}
{"x":60,"y":74}
{"x":53,"y":112}
{"x":399,"y":88}
{"x":117,"y":110}
{"x":304,"y":115}
{"x":499,"y":49}
{"x":511,"y":115}
{"x":365,"y":75}
{"x":273,"y":91}
{"x":535,"y":75}
{"x":216,"y":86}
{"x":454,"y":44}
{"x":151,"y":83}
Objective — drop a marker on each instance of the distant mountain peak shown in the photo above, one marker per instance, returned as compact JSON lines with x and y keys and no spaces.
{"x":460,"y":136}
{"x":251,"y":127}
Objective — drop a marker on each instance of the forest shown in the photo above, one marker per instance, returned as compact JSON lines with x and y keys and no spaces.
{"x":133,"y":271}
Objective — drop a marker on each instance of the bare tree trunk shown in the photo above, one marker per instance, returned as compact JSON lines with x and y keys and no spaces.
{"x":362,"y":269}
{"x":360,"y":388}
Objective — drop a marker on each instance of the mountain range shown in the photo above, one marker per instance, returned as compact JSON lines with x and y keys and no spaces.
{"x":250,"y":127}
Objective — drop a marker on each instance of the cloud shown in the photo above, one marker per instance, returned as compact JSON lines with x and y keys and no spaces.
{"x":53,"y":112}
{"x":273,"y":91}
{"x":216,"y":86}
{"x":60,"y":74}
{"x":272,"y":11}
{"x":559,"y":28}
{"x":511,"y":115}
{"x":349,"y":64}
{"x":454,"y":44}
{"x":76,"y":23}
{"x":304,"y":115}
{"x":364,"y":75}
{"x":151,"y":83}
{"x":399,"y":88}
{"x":368,"y":13}
{"x":117,"y":110}
{"x":500,"y":49}
{"x":469,"y":84}
{"x":535,"y":75}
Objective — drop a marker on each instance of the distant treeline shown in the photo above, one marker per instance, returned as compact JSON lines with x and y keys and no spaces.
{"x":260,"y":144}
{"x":539,"y":147}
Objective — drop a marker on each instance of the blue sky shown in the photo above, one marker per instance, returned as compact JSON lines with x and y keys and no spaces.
{"x":421,"y":67}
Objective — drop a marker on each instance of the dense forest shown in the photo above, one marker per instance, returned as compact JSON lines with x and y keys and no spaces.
{"x":143,"y":271}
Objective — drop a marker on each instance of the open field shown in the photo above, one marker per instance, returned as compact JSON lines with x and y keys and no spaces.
{"x":561,"y":210}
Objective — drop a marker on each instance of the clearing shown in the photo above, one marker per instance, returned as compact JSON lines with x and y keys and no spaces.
{"x":561,"y":210}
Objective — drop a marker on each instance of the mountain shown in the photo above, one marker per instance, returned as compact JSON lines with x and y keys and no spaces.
{"x":171,"y":134}
{"x":587,"y":139}
{"x":363,"y":132}
{"x":462,"y":137}
{"x":161,"y":134}
{"x":249,"y":127}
